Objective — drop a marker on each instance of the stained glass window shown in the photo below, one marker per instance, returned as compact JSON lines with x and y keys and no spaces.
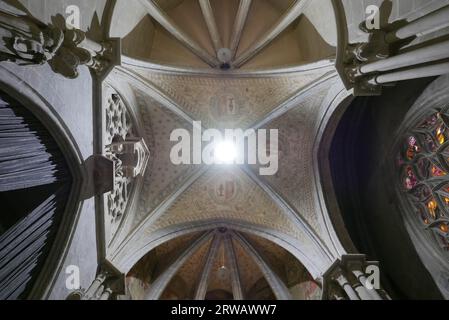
{"x":424,"y":166}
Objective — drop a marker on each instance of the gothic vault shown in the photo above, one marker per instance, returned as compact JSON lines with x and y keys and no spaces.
{"x":353,"y":94}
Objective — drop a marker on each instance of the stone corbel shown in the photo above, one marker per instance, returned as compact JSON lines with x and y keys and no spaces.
{"x":133,"y":155}
{"x":123,"y":162}
{"x":99,"y":176}
{"x":130,"y":158}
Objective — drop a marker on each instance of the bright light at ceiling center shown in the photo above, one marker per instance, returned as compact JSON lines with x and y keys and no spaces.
{"x":225,"y":152}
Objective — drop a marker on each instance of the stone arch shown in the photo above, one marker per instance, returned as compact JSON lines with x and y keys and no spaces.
{"x":42,"y":110}
{"x":125,"y":263}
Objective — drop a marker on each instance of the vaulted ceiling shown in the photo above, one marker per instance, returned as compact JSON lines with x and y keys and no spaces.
{"x":280,"y":75}
{"x":227,"y":263}
{"x":226,"y":34}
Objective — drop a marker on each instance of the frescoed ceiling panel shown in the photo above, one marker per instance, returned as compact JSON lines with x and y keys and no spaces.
{"x":288,"y":47}
{"x":171,"y":51}
{"x":198,"y":30}
{"x":294,"y":180}
{"x":191,"y":271}
{"x":220,"y":275}
{"x":167,"y":252}
{"x":249,"y":271}
{"x":159,"y":124}
{"x":274,"y":255}
{"x":231,"y":102}
{"x":262,"y":16}
{"x":225,"y":13}
{"x":226,"y":193}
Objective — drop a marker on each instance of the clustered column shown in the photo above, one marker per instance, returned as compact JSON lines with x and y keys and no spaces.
{"x":347,"y":280}
{"x":106,"y":285}
{"x":99,"y":289}
{"x":382,"y":61}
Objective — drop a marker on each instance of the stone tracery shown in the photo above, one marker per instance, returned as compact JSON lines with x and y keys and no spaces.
{"x":423,"y":166}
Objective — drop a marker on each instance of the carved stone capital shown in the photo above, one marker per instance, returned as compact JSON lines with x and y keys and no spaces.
{"x":356,"y":55}
{"x":354,"y":261}
{"x":375,"y":49}
{"x":107,"y":283}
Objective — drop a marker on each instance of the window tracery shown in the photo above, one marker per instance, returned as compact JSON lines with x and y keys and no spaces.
{"x":424,"y":168}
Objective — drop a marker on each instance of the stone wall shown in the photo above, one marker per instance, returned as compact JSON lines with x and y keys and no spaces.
{"x":72,"y":103}
{"x":361,"y":163}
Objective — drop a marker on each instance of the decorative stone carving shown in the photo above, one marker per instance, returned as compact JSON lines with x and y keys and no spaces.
{"x":377,"y":48}
{"x":77,"y":50}
{"x":117,"y":201}
{"x":118,"y":120}
{"x":26,"y":41}
{"x":356,"y":54}
{"x":129,"y":153}
{"x":130,"y":158}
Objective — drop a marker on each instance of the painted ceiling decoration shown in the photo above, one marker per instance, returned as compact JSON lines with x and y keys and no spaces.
{"x":243,"y":266}
{"x":226,"y":35}
{"x":207,"y":61}
{"x":237,"y":101}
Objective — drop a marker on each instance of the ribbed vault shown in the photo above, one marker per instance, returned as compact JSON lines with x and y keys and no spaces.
{"x":228,"y":264}
{"x":225,"y":34}
{"x":280,"y":74}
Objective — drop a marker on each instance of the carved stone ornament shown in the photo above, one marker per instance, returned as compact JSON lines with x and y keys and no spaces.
{"x":129,"y":153}
{"x":26,"y":41}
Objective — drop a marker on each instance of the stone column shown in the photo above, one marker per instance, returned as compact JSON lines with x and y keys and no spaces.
{"x":415,"y":73}
{"x":421,"y":25}
{"x":340,"y":277}
{"x":106,"y":294}
{"x":355,"y":264}
{"x":366,"y":292}
{"x":107,"y":283}
{"x":368,"y":67}
{"x":96,"y":286}
{"x":381,"y":293}
{"x":349,"y":275}
{"x":426,"y":54}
